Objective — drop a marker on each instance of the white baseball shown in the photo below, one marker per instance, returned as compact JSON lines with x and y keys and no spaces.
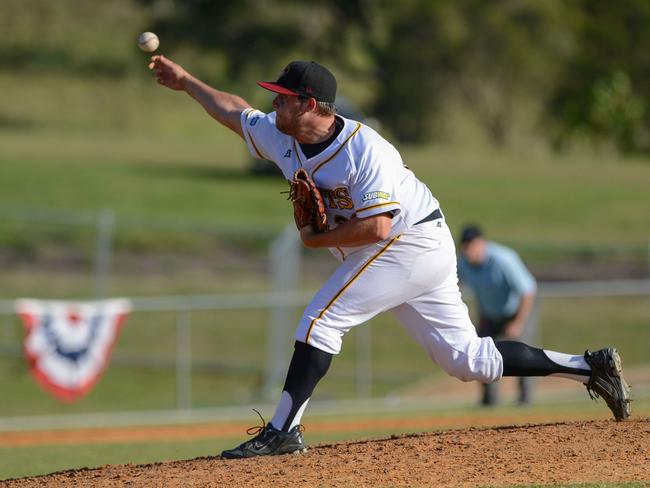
{"x":148,"y":42}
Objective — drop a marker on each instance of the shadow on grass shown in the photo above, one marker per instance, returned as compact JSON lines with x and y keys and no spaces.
{"x":16,"y":123}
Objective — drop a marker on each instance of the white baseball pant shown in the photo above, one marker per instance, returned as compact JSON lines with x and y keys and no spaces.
{"x":414,"y":276}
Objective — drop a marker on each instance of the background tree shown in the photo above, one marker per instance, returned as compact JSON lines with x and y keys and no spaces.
{"x":603,"y":92}
{"x":486,"y":56}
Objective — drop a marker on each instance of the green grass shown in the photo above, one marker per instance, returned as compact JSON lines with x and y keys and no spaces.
{"x":182,"y":189}
{"x":548,"y":200}
{"x":46,"y":459}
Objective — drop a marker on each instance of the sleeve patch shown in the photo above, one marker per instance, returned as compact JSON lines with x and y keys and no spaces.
{"x":374,"y":195}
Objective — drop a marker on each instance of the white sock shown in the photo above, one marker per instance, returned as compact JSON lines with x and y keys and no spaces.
{"x":570,"y":361}
{"x":283,"y":410}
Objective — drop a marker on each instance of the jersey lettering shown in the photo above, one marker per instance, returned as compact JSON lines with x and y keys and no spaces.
{"x":328,"y":196}
{"x":338,"y":198}
{"x":373,"y":195}
{"x":343,"y":199}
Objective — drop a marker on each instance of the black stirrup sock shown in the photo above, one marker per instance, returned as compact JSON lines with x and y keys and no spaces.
{"x":308,"y":366}
{"x":520,"y":359}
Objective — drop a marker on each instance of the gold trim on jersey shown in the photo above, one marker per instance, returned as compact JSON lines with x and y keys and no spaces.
{"x":295,"y":151}
{"x":375,"y":206}
{"x":247,"y":113}
{"x":255,"y":146}
{"x":337,"y":151}
{"x":341,"y":252}
{"x":347,"y":285}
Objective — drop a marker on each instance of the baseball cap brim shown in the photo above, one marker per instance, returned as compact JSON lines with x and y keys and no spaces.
{"x":274,"y":87}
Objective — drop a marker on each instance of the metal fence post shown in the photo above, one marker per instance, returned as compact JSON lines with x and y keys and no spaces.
{"x":184,"y":360}
{"x":285,"y":255}
{"x":103,"y":249}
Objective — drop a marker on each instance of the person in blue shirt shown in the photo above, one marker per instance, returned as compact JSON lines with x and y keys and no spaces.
{"x":505,"y":292}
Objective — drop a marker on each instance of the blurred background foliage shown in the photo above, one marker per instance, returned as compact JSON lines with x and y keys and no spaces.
{"x":567,"y":72}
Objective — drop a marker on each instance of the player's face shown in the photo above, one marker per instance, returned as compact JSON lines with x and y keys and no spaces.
{"x":288,"y":110}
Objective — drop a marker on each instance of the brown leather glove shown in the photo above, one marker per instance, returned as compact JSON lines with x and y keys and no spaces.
{"x":308,"y":204}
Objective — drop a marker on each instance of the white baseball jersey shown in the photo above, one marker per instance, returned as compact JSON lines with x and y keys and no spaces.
{"x":359,"y":174}
{"x":412,"y":273}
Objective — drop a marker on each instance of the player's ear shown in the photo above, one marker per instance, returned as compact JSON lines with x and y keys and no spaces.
{"x":311,"y":104}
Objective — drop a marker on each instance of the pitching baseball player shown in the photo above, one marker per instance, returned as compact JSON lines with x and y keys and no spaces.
{"x":395,"y":250}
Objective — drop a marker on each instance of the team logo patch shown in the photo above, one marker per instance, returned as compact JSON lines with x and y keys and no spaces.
{"x":374,"y":195}
{"x":254,"y":121}
{"x":68,"y":344}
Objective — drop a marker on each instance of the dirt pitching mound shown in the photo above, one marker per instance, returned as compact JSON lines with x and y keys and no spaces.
{"x":594,"y":451}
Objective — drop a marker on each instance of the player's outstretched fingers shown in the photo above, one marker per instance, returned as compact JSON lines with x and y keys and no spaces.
{"x":155,"y":61}
{"x":167,"y":72}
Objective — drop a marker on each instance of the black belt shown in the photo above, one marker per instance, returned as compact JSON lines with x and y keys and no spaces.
{"x":435,"y":215}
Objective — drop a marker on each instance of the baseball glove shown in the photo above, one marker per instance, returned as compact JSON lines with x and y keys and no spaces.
{"x":308,"y":204}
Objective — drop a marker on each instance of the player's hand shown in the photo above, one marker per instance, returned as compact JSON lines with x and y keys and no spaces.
{"x":168,"y":73}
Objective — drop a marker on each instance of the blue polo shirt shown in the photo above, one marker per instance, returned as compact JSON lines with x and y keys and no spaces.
{"x":499,"y":282}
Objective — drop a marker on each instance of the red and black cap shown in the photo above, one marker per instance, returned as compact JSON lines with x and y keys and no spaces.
{"x":306,"y":79}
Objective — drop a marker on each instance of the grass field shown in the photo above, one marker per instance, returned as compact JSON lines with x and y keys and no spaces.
{"x":530,"y":198}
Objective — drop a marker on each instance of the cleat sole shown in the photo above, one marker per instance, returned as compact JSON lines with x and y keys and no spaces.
{"x":617,"y":369}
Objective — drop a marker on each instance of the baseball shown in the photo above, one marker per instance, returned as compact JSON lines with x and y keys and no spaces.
{"x":148,"y":42}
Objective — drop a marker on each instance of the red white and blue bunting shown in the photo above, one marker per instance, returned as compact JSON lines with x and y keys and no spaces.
{"x":68,"y":345}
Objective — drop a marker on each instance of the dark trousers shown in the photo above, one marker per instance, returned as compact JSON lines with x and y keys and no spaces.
{"x":495,"y":329}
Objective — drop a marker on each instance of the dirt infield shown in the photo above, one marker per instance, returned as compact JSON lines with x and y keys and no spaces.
{"x":574,"y":452}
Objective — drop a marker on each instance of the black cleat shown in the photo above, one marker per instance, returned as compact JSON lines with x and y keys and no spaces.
{"x":269,"y":441}
{"x":607,"y":381}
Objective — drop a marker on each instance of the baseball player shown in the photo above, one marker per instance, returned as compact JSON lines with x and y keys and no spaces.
{"x":395,"y":250}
